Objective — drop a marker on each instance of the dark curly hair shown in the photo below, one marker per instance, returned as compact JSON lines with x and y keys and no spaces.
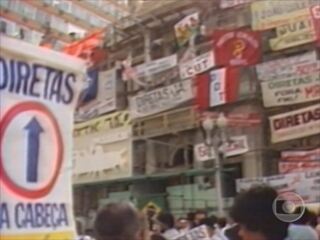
{"x":253,"y":209}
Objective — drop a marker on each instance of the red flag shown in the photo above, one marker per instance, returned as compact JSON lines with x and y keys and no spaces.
{"x":217,"y":87}
{"x":315,"y":14}
{"x":237,"y":48}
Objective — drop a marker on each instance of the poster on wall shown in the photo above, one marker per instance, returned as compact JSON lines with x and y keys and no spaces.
{"x":287,"y":68}
{"x":217,"y":87}
{"x":237,"y":146}
{"x":187,"y":28}
{"x":305,"y":184}
{"x":101,"y":95}
{"x":298,"y":31}
{"x":104,"y":142}
{"x":296,"y":90}
{"x":160,"y":99}
{"x":36,"y":124}
{"x":236,"y":48}
{"x":295,"y":124}
{"x":197,"y":65}
{"x":271,"y":14}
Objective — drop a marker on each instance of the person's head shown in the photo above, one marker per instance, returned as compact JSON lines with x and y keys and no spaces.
{"x":117,"y":221}
{"x":209,"y":222}
{"x":222,"y":222}
{"x":198,"y":216}
{"x":182,"y":223}
{"x":166,"y":221}
{"x":157,"y":237}
{"x":253,"y":211}
{"x":307,"y":218}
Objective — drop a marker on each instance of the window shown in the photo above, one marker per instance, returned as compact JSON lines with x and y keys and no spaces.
{"x":5,"y":3}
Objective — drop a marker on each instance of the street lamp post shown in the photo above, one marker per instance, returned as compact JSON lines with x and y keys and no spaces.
{"x":216,"y":128}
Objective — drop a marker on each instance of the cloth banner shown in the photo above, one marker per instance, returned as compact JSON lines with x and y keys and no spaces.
{"x":187,"y":28}
{"x":39,"y":90}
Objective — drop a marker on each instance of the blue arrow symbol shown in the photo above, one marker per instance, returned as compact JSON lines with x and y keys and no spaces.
{"x":34,"y":130}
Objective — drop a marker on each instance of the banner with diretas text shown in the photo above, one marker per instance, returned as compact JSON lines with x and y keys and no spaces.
{"x":161,"y":99}
{"x":305,"y":184}
{"x":295,"y":124}
{"x":288,"y":68}
{"x":292,"y":91}
{"x":39,"y":91}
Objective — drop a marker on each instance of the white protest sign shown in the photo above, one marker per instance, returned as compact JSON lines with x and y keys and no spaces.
{"x":160,"y":99}
{"x":218,"y":95}
{"x":198,"y":233}
{"x":295,"y":124}
{"x":238,"y":145}
{"x":197,"y":65}
{"x":287,"y":68}
{"x":291,"y":91}
{"x":39,"y":89}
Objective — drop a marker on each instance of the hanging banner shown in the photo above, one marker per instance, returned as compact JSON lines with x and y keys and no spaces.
{"x":315,"y":15}
{"x":271,"y":14}
{"x":292,"y":91}
{"x":39,"y":91}
{"x":305,"y":184}
{"x":198,"y":233}
{"x":292,"y":167}
{"x":297,"y":31}
{"x":288,"y":68}
{"x":197,"y":65}
{"x":104,"y":123}
{"x":295,"y":124}
{"x":108,"y":152}
{"x":236,"y":48}
{"x":237,"y":146}
{"x":233,"y":3}
{"x":187,"y":28}
{"x":160,"y":99}
{"x":301,"y":156}
{"x":217,"y":87}
{"x":105,"y":99}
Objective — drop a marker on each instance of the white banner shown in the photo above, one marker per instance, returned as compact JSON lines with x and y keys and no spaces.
{"x":237,"y":146}
{"x":106,"y":99}
{"x":288,"y":68}
{"x":39,"y":89}
{"x":156,"y":66}
{"x":233,"y":3}
{"x":291,"y":91}
{"x":160,"y":99}
{"x":198,"y":233}
{"x":218,"y":87}
{"x":197,"y":65}
{"x":306,"y":184}
{"x":295,"y":124}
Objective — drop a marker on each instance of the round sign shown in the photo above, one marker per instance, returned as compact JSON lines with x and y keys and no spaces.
{"x":31,"y":150}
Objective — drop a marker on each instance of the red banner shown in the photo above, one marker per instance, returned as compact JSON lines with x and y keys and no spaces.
{"x":315,"y":13}
{"x":291,"y":167}
{"x":217,"y":87}
{"x":237,"y":48}
{"x":301,"y":156}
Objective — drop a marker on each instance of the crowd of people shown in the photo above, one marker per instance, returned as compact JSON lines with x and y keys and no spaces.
{"x":250,"y":218}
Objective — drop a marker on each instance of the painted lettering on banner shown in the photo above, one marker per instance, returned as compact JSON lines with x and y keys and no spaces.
{"x":271,"y":14}
{"x":295,"y":124}
{"x":197,"y":65}
{"x":288,"y":68}
{"x":104,"y":123}
{"x":39,"y":91}
{"x":301,"y":156}
{"x":296,"y":32}
{"x":291,"y":167}
{"x":236,"y":48}
{"x":160,"y":99}
{"x":218,"y":87}
{"x":237,"y":146}
{"x":292,"y":91}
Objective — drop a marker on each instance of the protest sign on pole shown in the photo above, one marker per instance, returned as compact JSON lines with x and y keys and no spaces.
{"x":39,"y":89}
